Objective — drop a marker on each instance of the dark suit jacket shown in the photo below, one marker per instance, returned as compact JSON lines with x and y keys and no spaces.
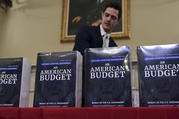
{"x":90,"y":37}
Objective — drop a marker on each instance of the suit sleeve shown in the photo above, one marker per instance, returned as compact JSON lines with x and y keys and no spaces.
{"x":82,"y":40}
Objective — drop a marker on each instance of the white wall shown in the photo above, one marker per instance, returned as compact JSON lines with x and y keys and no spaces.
{"x":32,"y":27}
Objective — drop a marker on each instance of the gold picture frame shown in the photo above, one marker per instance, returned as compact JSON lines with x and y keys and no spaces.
{"x":68,"y":33}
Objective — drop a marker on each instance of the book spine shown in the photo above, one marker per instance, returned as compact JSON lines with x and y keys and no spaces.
{"x":78,"y":92}
{"x":25,"y":83}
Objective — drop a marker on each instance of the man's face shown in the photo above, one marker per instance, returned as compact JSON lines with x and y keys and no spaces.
{"x":110,"y":19}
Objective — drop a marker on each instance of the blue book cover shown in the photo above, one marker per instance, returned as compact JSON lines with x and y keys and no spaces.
{"x":58,"y":79}
{"x":158,"y":67}
{"x":107,"y":80}
{"x":14,"y":82}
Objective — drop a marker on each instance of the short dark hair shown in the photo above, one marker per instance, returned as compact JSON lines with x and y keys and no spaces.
{"x":113,"y":4}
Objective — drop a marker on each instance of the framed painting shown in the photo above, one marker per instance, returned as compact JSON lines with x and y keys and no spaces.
{"x":77,"y":13}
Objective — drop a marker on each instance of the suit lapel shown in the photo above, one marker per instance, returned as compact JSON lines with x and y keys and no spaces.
{"x":99,"y":37}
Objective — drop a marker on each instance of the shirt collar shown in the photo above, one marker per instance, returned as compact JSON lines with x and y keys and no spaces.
{"x":103,"y":32}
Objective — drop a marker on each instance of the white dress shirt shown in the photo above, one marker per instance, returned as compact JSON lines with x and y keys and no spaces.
{"x":105,"y":37}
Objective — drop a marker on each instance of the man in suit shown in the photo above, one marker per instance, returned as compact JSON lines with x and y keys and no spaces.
{"x":99,"y":36}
